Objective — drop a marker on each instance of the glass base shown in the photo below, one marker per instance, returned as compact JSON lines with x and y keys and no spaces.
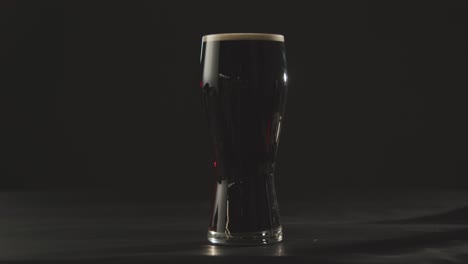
{"x":254,"y":238}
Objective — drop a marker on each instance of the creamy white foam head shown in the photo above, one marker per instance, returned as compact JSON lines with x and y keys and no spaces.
{"x":243,"y":36}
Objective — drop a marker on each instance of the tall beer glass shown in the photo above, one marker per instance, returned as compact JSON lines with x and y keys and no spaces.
{"x":244,"y":87}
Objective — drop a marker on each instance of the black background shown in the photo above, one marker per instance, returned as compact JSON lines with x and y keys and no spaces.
{"x":105,"y":94}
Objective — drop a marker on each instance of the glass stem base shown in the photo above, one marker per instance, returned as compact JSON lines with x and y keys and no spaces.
{"x":254,"y":238}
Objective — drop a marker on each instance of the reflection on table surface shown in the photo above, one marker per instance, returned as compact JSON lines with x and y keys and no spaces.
{"x":403,"y":227}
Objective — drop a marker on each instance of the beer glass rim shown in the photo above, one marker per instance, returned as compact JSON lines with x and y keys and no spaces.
{"x":243,"y":36}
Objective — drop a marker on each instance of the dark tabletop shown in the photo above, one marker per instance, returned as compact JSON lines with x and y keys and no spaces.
{"x":409,"y":226}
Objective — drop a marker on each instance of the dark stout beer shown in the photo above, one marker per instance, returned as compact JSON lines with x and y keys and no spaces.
{"x":244,"y":87}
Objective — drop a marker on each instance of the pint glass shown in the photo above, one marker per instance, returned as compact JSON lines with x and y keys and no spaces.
{"x":244,"y":87}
